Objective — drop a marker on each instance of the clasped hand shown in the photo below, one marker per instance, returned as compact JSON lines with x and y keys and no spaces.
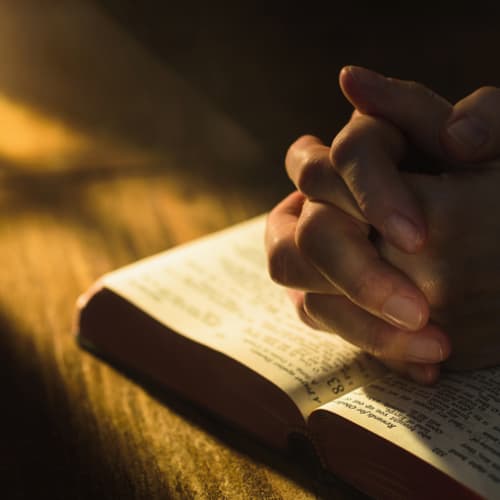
{"x":402,"y":264}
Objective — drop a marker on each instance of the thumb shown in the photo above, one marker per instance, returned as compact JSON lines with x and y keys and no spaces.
{"x":416,"y":110}
{"x":472,"y":132}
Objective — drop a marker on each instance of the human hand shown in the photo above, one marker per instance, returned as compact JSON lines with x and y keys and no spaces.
{"x":349,"y":292}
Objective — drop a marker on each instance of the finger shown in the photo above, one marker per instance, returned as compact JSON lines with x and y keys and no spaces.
{"x":286,"y":265}
{"x":337,"y":314}
{"x":297,"y":298}
{"x":418,"y":111}
{"x":338,"y":247}
{"x":472,"y":132}
{"x":424,"y":374}
{"x":366,"y":154}
{"x":308,"y":165}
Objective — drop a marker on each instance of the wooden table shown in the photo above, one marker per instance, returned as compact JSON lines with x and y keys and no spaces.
{"x":106,"y":157}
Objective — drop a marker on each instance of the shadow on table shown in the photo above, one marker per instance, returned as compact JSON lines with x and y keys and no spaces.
{"x":299,"y":463}
{"x":46,"y":449}
{"x":45,"y":453}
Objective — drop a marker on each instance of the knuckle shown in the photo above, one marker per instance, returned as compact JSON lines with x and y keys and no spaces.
{"x":306,"y":161}
{"x":341,"y":152}
{"x":363,"y":285}
{"x":347,"y":154}
{"x":311,"y":170}
{"x":307,"y":231}
{"x":298,"y":145}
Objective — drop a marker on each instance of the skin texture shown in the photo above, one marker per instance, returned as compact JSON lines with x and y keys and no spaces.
{"x":401,"y":264}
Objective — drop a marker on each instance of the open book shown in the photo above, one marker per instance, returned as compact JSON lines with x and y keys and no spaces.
{"x":205,"y":320}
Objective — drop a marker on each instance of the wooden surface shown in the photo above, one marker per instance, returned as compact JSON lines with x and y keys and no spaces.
{"x":105,"y":157}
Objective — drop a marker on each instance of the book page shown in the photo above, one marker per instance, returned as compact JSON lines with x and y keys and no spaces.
{"x":455,"y":425}
{"x":216,"y":291}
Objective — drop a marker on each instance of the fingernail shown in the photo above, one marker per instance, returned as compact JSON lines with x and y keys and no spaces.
{"x":424,"y":349}
{"x":403,"y":233}
{"x":468,"y":131}
{"x":403,"y":311}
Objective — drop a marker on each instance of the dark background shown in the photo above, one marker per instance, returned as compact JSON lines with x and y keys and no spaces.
{"x":273,"y":66}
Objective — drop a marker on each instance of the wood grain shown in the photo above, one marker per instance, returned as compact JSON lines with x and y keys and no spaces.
{"x":72,"y":426}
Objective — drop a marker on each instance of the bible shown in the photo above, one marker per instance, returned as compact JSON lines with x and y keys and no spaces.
{"x":205,"y":320}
